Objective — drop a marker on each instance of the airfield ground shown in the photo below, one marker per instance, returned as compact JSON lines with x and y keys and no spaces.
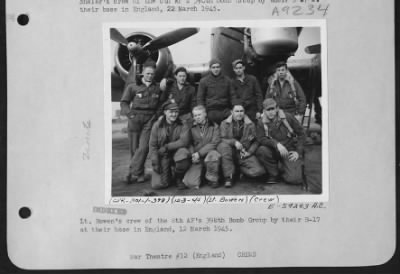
{"x":120,"y":162}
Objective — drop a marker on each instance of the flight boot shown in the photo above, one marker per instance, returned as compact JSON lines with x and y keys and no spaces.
{"x":179,"y":184}
{"x":273,"y":180}
{"x":228,"y":182}
{"x":131,"y":179}
{"x":141,"y":179}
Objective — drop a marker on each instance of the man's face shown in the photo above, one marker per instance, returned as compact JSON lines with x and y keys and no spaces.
{"x":215,"y":69}
{"x":271,"y":112}
{"x":282,"y":71}
{"x":238,"y":113}
{"x":148,"y":74}
{"x":239,"y":70}
{"x":199,"y":116}
{"x":181,"y":77}
{"x":171,"y":115}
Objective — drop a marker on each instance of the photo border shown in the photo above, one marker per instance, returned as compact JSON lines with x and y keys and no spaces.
{"x":245,"y":199}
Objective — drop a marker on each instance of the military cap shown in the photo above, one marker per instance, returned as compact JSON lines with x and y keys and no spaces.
{"x":269,"y":102}
{"x":214,"y":61}
{"x":170,"y":105}
{"x":237,"y":61}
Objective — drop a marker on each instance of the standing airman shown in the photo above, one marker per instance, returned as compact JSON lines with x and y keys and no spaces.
{"x":214,"y":92}
{"x":182,"y":93}
{"x":140,"y":102}
{"x":246,"y":91}
{"x":286,"y":91}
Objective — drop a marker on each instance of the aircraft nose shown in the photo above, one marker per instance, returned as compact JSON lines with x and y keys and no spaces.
{"x":273,"y":41}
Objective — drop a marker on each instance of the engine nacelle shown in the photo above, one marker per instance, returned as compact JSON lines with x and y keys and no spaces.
{"x":162,"y":57}
{"x":269,"y":41}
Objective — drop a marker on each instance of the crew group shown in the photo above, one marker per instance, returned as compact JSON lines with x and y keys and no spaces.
{"x":225,"y":129}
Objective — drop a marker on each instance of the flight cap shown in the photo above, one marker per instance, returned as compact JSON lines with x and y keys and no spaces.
{"x":170,"y":105}
{"x":214,"y":61}
{"x":237,"y":61}
{"x":269,"y":102}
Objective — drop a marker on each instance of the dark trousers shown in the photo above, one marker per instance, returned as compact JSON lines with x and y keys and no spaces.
{"x":217,"y":116}
{"x":269,"y":158}
{"x":231,"y":160}
{"x":207,"y":168}
{"x":139,"y":128}
{"x":169,"y":164}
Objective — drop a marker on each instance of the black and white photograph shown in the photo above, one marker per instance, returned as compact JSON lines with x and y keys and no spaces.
{"x":241,"y":135}
{"x":216,"y":111}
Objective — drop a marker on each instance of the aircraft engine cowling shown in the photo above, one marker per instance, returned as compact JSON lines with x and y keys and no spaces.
{"x":162,"y":57}
{"x":274,"y":41}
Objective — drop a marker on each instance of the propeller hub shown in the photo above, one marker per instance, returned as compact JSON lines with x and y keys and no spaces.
{"x":131,"y":46}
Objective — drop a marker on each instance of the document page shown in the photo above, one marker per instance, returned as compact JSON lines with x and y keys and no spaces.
{"x":148,"y":134}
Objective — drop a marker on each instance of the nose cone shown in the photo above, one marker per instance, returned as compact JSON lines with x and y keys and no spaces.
{"x":131,"y":46}
{"x":274,"y":41}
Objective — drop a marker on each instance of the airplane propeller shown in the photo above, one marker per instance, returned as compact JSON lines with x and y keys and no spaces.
{"x":170,"y":38}
{"x":118,"y":37}
{"x":138,"y":53}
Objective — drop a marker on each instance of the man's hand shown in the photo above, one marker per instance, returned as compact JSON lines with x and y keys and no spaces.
{"x":195,"y":158}
{"x":298,"y":117}
{"x":244,"y":154}
{"x":156,"y":167}
{"x":258,"y":115}
{"x":238,"y":145}
{"x":125,"y":111}
{"x":129,"y":114}
{"x":163,"y":84}
{"x":293,"y":156}
{"x":163,"y":150}
{"x":282,"y":150}
{"x":166,"y":83}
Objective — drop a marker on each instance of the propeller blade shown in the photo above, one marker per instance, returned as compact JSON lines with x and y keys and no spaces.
{"x":118,"y":37}
{"x":131,"y":78}
{"x":313,"y":49}
{"x":170,"y":38}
